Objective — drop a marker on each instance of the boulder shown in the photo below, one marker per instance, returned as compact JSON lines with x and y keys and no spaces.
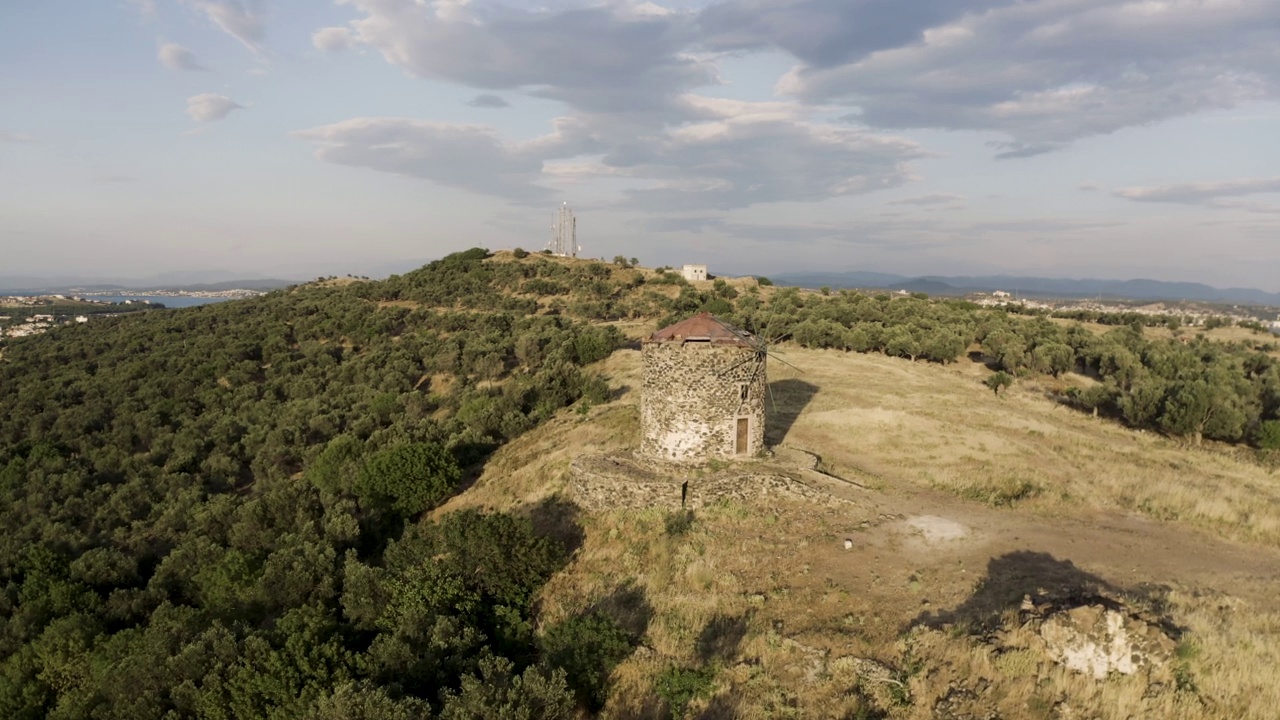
{"x":1098,"y":640}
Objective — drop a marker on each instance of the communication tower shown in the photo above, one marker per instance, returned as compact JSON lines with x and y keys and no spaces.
{"x":564,"y":233}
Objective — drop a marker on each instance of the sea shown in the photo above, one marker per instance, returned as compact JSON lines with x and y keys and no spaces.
{"x":169,"y":301}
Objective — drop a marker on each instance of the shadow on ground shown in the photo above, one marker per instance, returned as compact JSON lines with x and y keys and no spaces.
{"x":788,"y":398}
{"x":628,"y":607}
{"x":558,"y":519}
{"x":1014,"y":576}
{"x":719,"y":640}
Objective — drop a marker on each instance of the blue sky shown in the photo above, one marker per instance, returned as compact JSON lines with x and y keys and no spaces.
{"x":1100,"y":138}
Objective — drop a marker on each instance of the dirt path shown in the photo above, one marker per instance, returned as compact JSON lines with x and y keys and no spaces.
{"x":929,"y":555}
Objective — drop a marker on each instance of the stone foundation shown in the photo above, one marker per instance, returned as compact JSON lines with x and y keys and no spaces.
{"x":601,"y":483}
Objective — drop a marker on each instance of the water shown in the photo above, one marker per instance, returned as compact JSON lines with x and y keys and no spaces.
{"x":168,"y":301}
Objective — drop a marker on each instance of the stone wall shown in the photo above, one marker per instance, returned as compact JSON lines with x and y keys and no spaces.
{"x":601,"y":483}
{"x":692,"y":397}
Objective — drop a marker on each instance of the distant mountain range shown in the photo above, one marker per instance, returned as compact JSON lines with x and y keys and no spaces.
{"x":206,"y":280}
{"x":1033,"y":286}
{"x":200,"y":280}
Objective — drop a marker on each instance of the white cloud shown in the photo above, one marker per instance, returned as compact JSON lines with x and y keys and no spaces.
{"x":758,"y":155}
{"x":143,"y":7}
{"x":14,"y":138}
{"x":469,"y":157}
{"x":332,"y":39}
{"x":243,"y":20}
{"x":935,"y":199}
{"x":176,"y":57}
{"x":1203,"y":193}
{"x":1045,"y":72}
{"x":208,"y":107}
{"x":602,"y":58}
{"x":735,"y":161}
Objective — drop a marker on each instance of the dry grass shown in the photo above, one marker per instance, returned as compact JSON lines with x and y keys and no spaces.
{"x":939,"y":427}
{"x":790,"y":620}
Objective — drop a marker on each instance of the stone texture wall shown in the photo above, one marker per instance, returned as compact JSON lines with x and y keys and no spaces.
{"x":602,"y":483}
{"x":691,"y":400}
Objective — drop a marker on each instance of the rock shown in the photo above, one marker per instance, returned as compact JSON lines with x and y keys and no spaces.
{"x":848,"y":544}
{"x":1097,"y":640}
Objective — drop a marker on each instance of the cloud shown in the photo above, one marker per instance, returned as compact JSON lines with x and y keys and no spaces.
{"x":467,"y":157}
{"x":208,"y":107}
{"x":936,"y":199}
{"x":743,"y":161}
{"x":146,"y":8}
{"x":1205,"y":193}
{"x":332,"y":39}
{"x":611,"y":57}
{"x":697,"y":224}
{"x":14,"y":138}
{"x":1089,"y":187}
{"x":243,"y":20}
{"x":1012,"y":150}
{"x":176,"y":57}
{"x":744,"y":156}
{"x":1044,"y":72}
{"x":826,"y":33}
{"x":488,"y":101}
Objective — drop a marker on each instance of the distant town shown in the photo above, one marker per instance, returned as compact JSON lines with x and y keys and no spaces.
{"x":1183,"y":313}
{"x":19,"y":316}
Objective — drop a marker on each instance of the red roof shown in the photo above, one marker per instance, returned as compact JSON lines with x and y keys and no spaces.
{"x":704,"y":327}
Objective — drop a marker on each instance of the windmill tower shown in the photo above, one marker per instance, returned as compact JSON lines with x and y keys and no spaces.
{"x":703,"y":392}
{"x":564,"y":233}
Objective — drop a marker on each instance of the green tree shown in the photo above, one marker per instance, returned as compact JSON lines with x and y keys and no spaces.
{"x":1267,"y":436}
{"x":1055,"y":358}
{"x":501,"y":694}
{"x":587,"y":648}
{"x":998,"y":380}
{"x":409,"y":479}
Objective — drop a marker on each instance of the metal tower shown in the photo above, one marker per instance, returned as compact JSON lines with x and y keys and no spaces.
{"x":564,"y":233}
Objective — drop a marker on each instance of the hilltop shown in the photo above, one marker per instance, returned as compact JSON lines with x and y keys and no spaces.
{"x":349,"y":499}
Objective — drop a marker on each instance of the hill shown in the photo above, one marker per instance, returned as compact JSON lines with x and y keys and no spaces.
{"x":1139,"y":289}
{"x":348,"y":500}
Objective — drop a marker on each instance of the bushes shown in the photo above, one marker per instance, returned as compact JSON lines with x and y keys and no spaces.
{"x":587,"y":648}
{"x":1267,"y":436}
{"x":408,"y":479}
{"x":679,"y":686}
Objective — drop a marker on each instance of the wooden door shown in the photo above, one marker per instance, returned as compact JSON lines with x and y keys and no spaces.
{"x":744,"y":436}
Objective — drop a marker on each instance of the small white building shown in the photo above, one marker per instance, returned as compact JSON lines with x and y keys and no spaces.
{"x":1000,"y":294}
{"x":694,"y":272}
{"x":82,"y":318}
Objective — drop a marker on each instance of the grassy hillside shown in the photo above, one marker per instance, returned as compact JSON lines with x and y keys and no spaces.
{"x":764,"y":603}
{"x":347,"y":500}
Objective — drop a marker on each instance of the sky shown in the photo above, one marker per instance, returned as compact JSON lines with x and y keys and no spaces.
{"x":1063,"y":138}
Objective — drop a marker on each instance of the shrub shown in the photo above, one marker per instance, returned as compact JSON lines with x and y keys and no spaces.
{"x":1268,"y":435}
{"x":519,"y":253}
{"x":762,"y":280}
{"x":410,"y":478}
{"x":679,"y":686}
{"x":998,"y":380}
{"x":587,"y":648}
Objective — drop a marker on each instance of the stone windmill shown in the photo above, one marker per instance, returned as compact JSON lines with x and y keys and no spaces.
{"x":703,"y":394}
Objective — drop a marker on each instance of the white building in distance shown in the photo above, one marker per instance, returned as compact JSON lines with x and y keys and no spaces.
{"x":694,"y":272}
